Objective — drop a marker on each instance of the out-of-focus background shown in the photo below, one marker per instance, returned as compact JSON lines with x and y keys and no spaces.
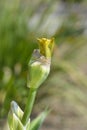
{"x":65,"y":90}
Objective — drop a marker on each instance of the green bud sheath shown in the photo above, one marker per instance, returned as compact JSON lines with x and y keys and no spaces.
{"x":39,"y":68}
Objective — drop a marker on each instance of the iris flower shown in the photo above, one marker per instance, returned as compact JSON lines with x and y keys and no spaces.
{"x":39,"y":65}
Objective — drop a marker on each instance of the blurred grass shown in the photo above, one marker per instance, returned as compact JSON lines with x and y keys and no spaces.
{"x":66,"y":88}
{"x":16,"y":46}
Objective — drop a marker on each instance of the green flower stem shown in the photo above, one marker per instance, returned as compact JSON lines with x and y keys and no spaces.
{"x":29,"y":105}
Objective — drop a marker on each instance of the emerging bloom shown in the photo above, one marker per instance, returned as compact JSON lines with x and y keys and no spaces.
{"x":39,"y":65}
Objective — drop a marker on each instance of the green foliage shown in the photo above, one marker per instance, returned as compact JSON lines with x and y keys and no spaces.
{"x":16,"y":45}
{"x":15,"y":41}
{"x":36,"y":123}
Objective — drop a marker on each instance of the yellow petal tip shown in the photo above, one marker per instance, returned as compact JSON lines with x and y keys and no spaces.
{"x":46,"y":46}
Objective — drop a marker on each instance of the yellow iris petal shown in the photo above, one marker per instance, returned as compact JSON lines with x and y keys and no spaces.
{"x":46,"y":46}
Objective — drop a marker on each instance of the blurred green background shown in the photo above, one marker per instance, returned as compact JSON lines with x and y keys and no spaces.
{"x":65,"y":90}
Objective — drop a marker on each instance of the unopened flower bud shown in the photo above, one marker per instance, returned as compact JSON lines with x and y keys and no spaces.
{"x":15,"y":116}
